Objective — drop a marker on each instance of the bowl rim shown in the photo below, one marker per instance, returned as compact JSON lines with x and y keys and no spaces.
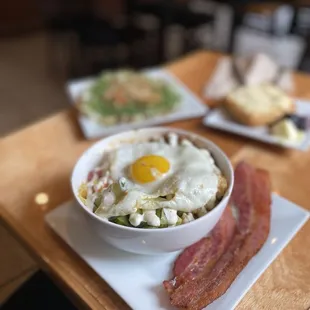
{"x":163,"y":130}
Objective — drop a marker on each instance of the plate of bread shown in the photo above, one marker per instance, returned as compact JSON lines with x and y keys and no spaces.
{"x":255,"y":103}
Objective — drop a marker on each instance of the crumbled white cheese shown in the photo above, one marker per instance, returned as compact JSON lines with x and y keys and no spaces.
{"x":151,"y":218}
{"x":186,"y":142}
{"x":136,"y":219}
{"x":173,"y":139}
{"x":201,"y":212}
{"x":108,"y":199}
{"x":171,"y":216}
{"x":187,"y":217}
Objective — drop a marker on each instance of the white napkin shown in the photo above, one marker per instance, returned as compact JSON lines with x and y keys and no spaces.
{"x":231,"y":73}
{"x":260,"y":69}
{"x":223,"y":80}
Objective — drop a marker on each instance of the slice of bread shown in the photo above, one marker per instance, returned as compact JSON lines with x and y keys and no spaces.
{"x":258,"y":105}
{"x":286,"y":82}
{"x":222,"y":81}
{"x":257,"y":69}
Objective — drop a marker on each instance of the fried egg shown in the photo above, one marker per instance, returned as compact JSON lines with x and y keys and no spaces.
{"x":158,"y":175}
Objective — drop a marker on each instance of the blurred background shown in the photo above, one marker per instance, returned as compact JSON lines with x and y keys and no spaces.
{"x":43,"y":44}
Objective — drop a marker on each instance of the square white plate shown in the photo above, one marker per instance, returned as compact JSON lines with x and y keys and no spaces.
{"x":138,"y":278}
{"x":220,"y":119}
{"x":190,"y":106}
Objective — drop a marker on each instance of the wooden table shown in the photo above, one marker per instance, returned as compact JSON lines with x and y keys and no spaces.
{"x":40,"y":158}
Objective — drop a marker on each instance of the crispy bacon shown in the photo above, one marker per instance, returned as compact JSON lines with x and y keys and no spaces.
{"x":90,"y":175}
{"x":203,"y":254}
{"x":251,"y":198}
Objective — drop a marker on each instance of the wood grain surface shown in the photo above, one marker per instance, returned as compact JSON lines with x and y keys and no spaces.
{"x":40,"y":158}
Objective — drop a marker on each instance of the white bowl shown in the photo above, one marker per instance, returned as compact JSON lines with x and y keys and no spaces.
{"x":150,"y":241}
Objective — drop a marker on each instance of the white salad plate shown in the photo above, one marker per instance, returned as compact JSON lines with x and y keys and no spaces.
{"x":218,"y":118}
{"x":190,"y":106}
{"x":138,"y":278}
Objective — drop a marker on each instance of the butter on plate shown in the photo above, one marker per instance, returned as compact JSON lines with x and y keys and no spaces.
{"x":286,"y":129}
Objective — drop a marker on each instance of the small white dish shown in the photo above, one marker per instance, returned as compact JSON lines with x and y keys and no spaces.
{"x":150,"y":241}
{"x":220,"y":119}
{"x":190,"y":106}
{"x":138,"y":278}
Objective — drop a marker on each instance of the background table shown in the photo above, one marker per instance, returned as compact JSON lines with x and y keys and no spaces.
{"x":40,"y":158}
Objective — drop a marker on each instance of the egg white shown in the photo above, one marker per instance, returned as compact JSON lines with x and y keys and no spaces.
{"x":192,"y":179}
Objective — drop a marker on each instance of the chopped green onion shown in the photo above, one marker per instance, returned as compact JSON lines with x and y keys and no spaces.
{"x":151,"y":227}
{"x":163,"y":219}
{"x":179,"y":221}
{"x":158,"y":212}
{"x":180,"y":213}
{"x":121,"y":220}
{"x":142,"y":225}
{"x":97,"y":203}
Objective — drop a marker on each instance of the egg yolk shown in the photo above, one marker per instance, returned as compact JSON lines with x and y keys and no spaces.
{"x":149,"y":168}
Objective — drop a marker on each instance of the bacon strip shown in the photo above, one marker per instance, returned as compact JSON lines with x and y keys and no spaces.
{"x":203,"y":254}
{"x":251,"y":197}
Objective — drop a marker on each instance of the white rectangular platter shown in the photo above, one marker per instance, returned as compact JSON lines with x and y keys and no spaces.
{"x":220,"y":119}
{"x":190,"y":106}
{"x":138,"y":278}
